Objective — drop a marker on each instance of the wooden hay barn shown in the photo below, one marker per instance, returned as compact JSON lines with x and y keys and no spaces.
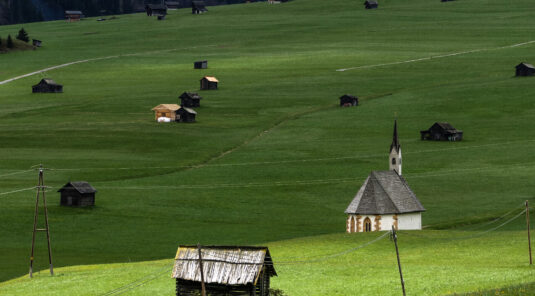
{"x":198,"y":7}
{"x":77,"y":194}
{"x":37,"y":43}
{"x":524,"y":69}
{"x":209,"y":83}
{"x":185,"y":115}
{"x":200,"y":65}
{"x":371,"y":4}
{"x":73,"y":15}
{"x":172,"y":5}
{"x":442,"y":131}
{"x":190,"y":100}
{"x":47,"y":85}
{"x":227,"y":270}
{"x":165,"y":110}
{"x":156,"y":9}
{"x":348,"y":101}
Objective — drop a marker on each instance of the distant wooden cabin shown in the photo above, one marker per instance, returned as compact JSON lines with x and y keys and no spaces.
{"x":200,"y":65}
{"x":209,"y":83}
{"x":348,"y":101}
{"x":172,"y":5}
{"x":77,"y":194}
{"x":47,"y":85}
{"x":185,"y":115}
{"x":442,"y":131}
{"x":73,"y":15}
{"x":166,"y":110}
{"x":190,"y":100}
{"x":198,"y":7}
{"x":371,"y":4}
{"x":524,"y":69}
{"x":446,"y":0}
{"x":236,"y":270}
{"x":156,"y":9}
{"x":37,"y":43}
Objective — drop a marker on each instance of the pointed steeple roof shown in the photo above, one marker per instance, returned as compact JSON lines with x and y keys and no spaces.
{"x":395,"y":139}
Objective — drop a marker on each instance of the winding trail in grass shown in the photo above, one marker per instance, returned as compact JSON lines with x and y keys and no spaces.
{"x":436,"y":57}
{"x":97,"y":59}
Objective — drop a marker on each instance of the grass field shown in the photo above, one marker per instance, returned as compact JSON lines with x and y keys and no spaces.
{"x":272,"y":159}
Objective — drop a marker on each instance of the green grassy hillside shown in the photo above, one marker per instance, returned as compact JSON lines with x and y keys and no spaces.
{"x":271,"y":157}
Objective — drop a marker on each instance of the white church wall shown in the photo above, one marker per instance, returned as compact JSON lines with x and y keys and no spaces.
{"x":410,"y":221}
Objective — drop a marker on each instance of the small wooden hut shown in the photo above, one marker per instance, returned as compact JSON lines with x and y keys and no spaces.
{"x":47,"y":85}
{"x":77,"y":194}
{"x":165,"y":110}
{"x":209,"y":83}
{"x":200,"y":64}
{"x":73,"y":15}
{"x":348,"y":100}
{"x":36,"y":43}
{"x":524,"y":69}
{"x":190,"y":100}
{"x":446,"y":0}
{"x":227,"y":270}
{"x":442,"y":131}
{"x":185,"y":115}
{"x":371,"y":4}
{"x":198,"y":7}
{"x":172,"y":5}
{"x":156,"y":9}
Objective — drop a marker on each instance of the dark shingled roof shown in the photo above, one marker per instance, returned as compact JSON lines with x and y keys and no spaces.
{"x":384,"y":192}
{"x":81,"y":186}
{"x":190,"y":95}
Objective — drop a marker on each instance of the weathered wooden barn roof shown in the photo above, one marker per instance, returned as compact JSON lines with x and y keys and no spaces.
{"x":190,"y":95}
{"x":171,"y":107}
{"x":73,"y":12}
{"x":525,"y":65}
{"x":210,"y":78}
{"x":445,"y":127}
{"x":80,"y":186}
{"x":191,"y":111}
{"x":199,"y":5}
{"x":384,"y":192}
{"x":49,"y":81}
{"x":227,"y":265}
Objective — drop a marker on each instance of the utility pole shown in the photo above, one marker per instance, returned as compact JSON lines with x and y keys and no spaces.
{"x":529,"y":238}
{"x":203,"y":291}
{"x":395,"y":237}
{"x":41,"y":192}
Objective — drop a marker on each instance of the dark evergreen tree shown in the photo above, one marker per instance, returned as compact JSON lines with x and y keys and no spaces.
{"x":9,"y":42}
{"x":23,"y":36}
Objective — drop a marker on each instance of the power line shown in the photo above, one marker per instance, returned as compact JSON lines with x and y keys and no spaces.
{"x":16,"y":173}
{"x":137,"y":283}
{"x":15,"y":191}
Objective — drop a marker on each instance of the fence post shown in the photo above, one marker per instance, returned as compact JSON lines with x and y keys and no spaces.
{"x":395,"y":237}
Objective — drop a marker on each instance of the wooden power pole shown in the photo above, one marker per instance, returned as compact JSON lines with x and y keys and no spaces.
{"x":395,"y":237}
{"x":41,"y":193}
{"x":203,"y":288}
{"x":529,"y":238}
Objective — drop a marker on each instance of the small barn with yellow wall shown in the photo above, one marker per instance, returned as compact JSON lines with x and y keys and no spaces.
{"x":166,"y":110}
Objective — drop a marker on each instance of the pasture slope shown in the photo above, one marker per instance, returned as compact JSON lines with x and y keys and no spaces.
{"x":272,"y":160}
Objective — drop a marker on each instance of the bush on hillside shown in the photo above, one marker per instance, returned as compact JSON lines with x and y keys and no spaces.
{"x":9,"y":42}
{"x":23,"y":36}
{"x":276,"y":292}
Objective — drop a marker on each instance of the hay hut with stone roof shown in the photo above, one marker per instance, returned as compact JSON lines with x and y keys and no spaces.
{"x":227,"y":270}
{"x":77,"y":194}
{"x":47,"y":85}
{"x":185,"y":115}
{"x":442,"y":131}
{"x":385,"y":200}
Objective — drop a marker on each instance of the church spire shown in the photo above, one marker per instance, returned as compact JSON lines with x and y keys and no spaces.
{"x":395,"y":140}
{"x":395,"y":151}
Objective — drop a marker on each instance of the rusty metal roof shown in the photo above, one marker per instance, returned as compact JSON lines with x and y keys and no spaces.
{"x":226,"y":265}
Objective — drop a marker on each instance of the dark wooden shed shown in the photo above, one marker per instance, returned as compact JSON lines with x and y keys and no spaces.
{"x":198,"y":7}
{"x":209,"y":83}
{"x":190,"y":100}
{"x":36,"y":43}
{"x":524,"y":69}
{"x":442,"y":131}
{"x":227,"y":270}
{"x":200,"y":64}
{"x":446,"y":0}
{"x":371,"y":4}
{"x":185,"y":115}
{"x":47,"y":85}
{"x":77,"y":194}
{"x":172,"y":5}
{"x":348,"y":100}
{"x":156,"y":9}
{"x":73,"y":15}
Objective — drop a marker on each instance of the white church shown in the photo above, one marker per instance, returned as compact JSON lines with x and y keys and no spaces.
{"x":385,"y":199}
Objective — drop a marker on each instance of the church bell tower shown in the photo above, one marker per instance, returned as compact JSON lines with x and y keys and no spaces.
{"x":395,"y":152}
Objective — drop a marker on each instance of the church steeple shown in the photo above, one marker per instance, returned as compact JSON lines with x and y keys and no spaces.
{"x":395,"y":151}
